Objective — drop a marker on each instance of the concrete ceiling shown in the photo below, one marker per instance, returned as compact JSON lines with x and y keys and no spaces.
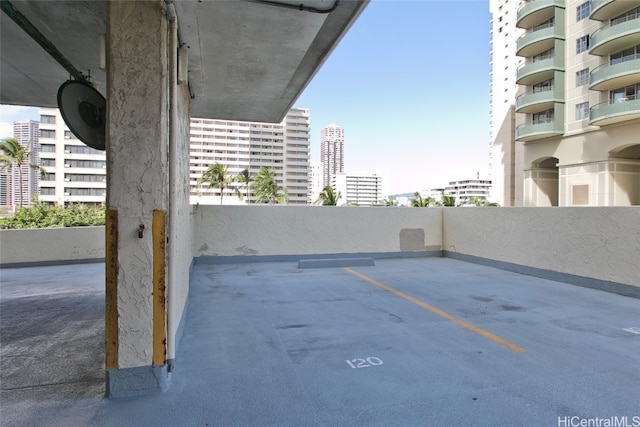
{"x":248,"y":59}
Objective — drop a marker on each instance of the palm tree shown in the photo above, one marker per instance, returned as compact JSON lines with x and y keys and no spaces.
{"x":448,"y":201}
{"x":14,"y":154}
{"x":266,"y":188}
{"x":419,"y":202}
{"x":244,"y":178}
{"x":328,"y":197}
{"x":481,"y":201}
{"x":216,"y":175}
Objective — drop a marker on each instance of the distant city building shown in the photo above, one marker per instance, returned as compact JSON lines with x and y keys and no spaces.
{"x":577,"y":105}
{"x":75,"y":172}
{"x":281,"y":147}
{"x":360,"y":188}
{"x":331,"y":152}
{"x":315,"y":181}
{"x":27,"y":133}
{"x":466,"y":189}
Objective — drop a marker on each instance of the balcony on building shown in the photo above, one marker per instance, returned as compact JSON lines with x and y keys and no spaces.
{"x":603,"y":10}
{"x":540,"y":129}
{"x":615,"y":111}
{"x":539,"y":100}
{"x":536,"y":71}
{"x":535,"y":12}
{"x":612,"y":75}
{"x":539,"y":39}
{"x":615,"y":36}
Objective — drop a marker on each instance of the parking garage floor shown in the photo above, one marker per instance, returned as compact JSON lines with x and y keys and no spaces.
{"x":407,"y":342}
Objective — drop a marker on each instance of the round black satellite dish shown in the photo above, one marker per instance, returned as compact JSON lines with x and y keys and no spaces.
{"x":83,"y":110}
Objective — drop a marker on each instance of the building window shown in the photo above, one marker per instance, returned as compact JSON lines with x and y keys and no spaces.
{"x":47,"y":133}
{"x":48,"y":176}
{"x":582,"y":44}
{"x":48,"y":119}
{"x":625,"y":55}
{"x":69,"y":135}
{"x":582,"y":111}
{"x":582,"y":77}
{"x":47,"y":191}
{"x":47,"y":148}
{"x":583,"y":11}
{"x":48,"y":162}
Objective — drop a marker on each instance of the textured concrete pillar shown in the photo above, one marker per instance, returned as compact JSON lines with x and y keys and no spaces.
{"x":138,"y":111}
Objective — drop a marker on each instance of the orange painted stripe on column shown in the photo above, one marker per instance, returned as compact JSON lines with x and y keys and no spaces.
{"x":159,"y":285}
{"x":111,"y":290}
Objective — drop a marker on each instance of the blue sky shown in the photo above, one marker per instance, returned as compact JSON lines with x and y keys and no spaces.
{"x":409,"y":83}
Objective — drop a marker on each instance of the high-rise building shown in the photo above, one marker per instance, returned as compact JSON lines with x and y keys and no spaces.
{"x":505,"y":155}
{"x":331,"y":152}
{"x":315,"y":181}
{"x":360,"y":188}
{"x":281,"y":147}
{"x":27,"y":134}
{"x":75,"y":172}
{"x":578,"y":104}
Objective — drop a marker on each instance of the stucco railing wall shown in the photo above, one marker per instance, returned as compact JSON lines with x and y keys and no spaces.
{"x":601,"y":243}
{"x":312,"y":230}
{"x":51,"y":245}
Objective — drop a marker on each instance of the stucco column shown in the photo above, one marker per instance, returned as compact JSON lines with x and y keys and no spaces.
{"x":138,"y":110}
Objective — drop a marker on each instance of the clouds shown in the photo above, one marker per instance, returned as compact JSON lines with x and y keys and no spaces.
{"x":15,"y":113}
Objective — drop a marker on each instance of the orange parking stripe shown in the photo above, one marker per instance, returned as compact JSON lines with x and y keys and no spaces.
{"x":460,"y":322}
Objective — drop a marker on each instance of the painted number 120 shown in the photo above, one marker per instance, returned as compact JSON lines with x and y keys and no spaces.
{"x":364,"y":363}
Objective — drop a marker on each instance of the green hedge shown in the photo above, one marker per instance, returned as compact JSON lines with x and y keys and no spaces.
{"x":45,"y":216}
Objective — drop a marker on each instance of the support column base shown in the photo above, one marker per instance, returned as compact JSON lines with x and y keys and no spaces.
{"x":136,"y":381}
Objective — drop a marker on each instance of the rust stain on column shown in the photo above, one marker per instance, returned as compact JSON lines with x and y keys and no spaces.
{"x":159,"y":283}
{"x":111,"y":290}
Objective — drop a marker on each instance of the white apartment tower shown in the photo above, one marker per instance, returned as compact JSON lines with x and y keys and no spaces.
{"x":27,"y":133}
{"x":578,"y":103}
{"x":75,"y":172}
{"x":315,"y":181}
{"x":331,"y":152}
{"x":281,"y":147}
{"x":360,"y":188}
{"x":466,"y":189}
{"x":506,"y":155}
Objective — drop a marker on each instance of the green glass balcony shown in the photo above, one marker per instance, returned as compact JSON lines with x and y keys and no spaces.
{"x":539,"y":130}
{"x":539,"y":100}
{"x":532,"y":43}
{"x":536,"y":12}
{"x":613,"y":38}
{"x":538,"y":71}
{"x":620,"y":110}
{"x":612,"y":76}
{"x":602,"y":10}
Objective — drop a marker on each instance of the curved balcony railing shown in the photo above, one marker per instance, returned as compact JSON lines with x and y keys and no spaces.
{"x":533,"y":42}
{"x":535,"y":12}
{"x":619,"y":110}
{"x":612,"y":37}
{"x":610,"y":76}
{"x":539,"y":129}
{"x":536,"y":71}
{"x":539,"y":100}
{"x":602,"y":10}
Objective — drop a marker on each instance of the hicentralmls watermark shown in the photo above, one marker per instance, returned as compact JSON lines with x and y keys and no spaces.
{"x":615,"y":421}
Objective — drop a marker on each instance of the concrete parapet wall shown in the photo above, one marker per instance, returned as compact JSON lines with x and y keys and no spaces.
{"x":302,"y":230}
{"x":51,"y":245}
{"x":600,"y":243}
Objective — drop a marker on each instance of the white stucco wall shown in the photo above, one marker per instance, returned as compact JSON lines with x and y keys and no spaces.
{"x":300,"y":230}
{"x":51,"y":245}
{"x":601,"y":243}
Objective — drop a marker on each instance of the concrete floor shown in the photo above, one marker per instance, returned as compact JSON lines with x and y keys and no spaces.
{"x":408,"y":342}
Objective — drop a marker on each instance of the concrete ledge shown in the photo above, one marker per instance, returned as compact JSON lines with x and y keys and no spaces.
{"x":336,"y":262}
{"x":572,"y":279}
{"x":136,"y":381}
{"x":242,"y":259}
